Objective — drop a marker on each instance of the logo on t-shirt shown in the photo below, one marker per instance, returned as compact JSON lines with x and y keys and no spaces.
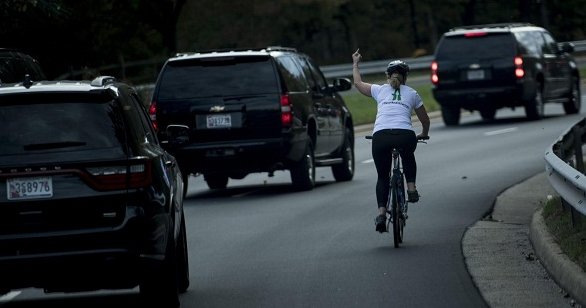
{"x":396,"y":100}
{"x":397,"y":95}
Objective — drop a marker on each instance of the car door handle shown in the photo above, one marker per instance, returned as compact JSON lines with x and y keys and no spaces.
{"x":170,"y":163}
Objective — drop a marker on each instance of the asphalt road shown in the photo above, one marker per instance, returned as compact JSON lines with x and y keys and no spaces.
{"x":261,"y":244}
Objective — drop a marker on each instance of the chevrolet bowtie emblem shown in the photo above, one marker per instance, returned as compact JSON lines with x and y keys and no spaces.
{"x":216,"y":108}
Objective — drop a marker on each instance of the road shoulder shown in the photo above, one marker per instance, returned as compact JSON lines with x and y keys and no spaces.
{"x":499,"y":254}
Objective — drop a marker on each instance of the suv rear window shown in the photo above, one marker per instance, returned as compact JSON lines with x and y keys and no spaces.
{"x":35,"y":123}
{"x":478,"y":47}
{"x":218,"y":77}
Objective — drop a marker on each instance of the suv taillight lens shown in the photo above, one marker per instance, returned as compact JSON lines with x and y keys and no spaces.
{"x":153,"y":114}
{"x":117,"y":177}
{"x":434,"y":76}
{"x":286,"y":111}
{"x":519,"y":71}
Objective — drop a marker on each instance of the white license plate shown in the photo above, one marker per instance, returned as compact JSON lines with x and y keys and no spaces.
{"x":475,"y":75}
{"x":29,"y":188}
{"x":219,"y":121}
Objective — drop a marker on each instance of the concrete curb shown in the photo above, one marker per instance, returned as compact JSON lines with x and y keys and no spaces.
{"x":564,"y":271}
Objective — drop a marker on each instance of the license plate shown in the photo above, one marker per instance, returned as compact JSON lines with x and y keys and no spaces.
{"x":219,"y":121}
{"x":29,"y":188}
{"x":475,"y":75}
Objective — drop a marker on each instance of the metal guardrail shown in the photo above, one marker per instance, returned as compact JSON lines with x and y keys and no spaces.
{"x":374,"y":67}
{"x":330,"y":71}
{"x":421,"y":63}
{"x":565,"y":167}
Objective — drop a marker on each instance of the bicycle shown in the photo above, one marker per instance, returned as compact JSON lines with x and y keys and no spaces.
{"x":396,"y":200}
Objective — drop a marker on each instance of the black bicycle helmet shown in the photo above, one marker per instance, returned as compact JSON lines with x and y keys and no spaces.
{"x":398,"y":66}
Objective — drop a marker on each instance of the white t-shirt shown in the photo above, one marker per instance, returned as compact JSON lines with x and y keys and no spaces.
{"x":394,"y":108}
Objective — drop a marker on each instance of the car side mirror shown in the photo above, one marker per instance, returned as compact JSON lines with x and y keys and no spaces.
{"x":567,"y":47}
{"x":342,"y":84}
{"x":177,"y":134}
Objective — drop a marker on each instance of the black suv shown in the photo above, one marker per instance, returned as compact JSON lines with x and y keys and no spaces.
{"x":487,"y":67}
{"x":15,"y":64}
{"x":232,"y":113}
{"x":89,"y":198}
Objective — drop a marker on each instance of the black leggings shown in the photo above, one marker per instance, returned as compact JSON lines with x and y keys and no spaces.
{"x":383,"y":142}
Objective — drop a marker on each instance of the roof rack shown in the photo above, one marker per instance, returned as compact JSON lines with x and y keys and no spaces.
{"x":506,"y":25}
{"x":281,"y":48}
{"x":269,"y":48}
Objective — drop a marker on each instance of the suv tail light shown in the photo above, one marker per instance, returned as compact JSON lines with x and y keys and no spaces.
{"x":153,"y":114}
{"x":286,"y":111}
{"x":519,"y":71}
{"x":116,"y":177}
{"x":434,"y":76}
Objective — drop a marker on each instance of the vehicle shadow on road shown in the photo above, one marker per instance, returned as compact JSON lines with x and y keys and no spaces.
{"x":98,"y":301}
{"x":500,"y":121}
{"x":252,"y":190}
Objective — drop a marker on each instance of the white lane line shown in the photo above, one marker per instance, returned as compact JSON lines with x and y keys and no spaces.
{"x":368,"y":161}
{"x":9,"y":296}
{"x":501,"y":131}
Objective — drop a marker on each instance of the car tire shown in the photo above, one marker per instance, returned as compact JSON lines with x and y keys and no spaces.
{"x":345,"y":171}
{"x":158,"y":288}
{"x":574,"y":103}
{"x":451,"y":116}
{"x":182,"y":260}
{"x":303,"y":171}
{"x":534,"y":108}
{"x":216,"y":181}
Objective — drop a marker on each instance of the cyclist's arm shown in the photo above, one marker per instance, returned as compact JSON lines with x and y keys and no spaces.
{"x":360,"y":85}
{"x":424,"y":119}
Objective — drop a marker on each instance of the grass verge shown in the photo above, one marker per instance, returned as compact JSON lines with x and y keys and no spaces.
{"x":572,"y":239}
{"x":363,"y":108}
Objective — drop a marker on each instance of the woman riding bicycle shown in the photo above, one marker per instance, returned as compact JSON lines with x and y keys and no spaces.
{"x":393,"y":129}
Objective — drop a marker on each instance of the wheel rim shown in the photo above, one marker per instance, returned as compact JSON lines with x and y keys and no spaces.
{"x":539,"y":104}
{"x":310,"y":168}
{"x":350,"y":159}
{"x":576,"y":94}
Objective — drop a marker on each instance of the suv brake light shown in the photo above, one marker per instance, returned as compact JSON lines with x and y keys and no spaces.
{"x":474,"y":34}
{"x":153,"y":114}
{"x":434,"y":76}
{"x":117,"y":177}
{"x":286,"y":110}
{"x":519,"y":71}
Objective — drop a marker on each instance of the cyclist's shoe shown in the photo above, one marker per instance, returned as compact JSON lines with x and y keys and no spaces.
{"x":381,"y":223}
{"x":412,"y":196}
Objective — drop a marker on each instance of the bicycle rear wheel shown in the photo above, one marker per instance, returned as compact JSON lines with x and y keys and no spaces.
{"x":401,"y":209}
{"x":397,"y":219}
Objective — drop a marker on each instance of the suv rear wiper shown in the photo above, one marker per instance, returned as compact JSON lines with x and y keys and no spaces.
{"x":53,"y":145}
